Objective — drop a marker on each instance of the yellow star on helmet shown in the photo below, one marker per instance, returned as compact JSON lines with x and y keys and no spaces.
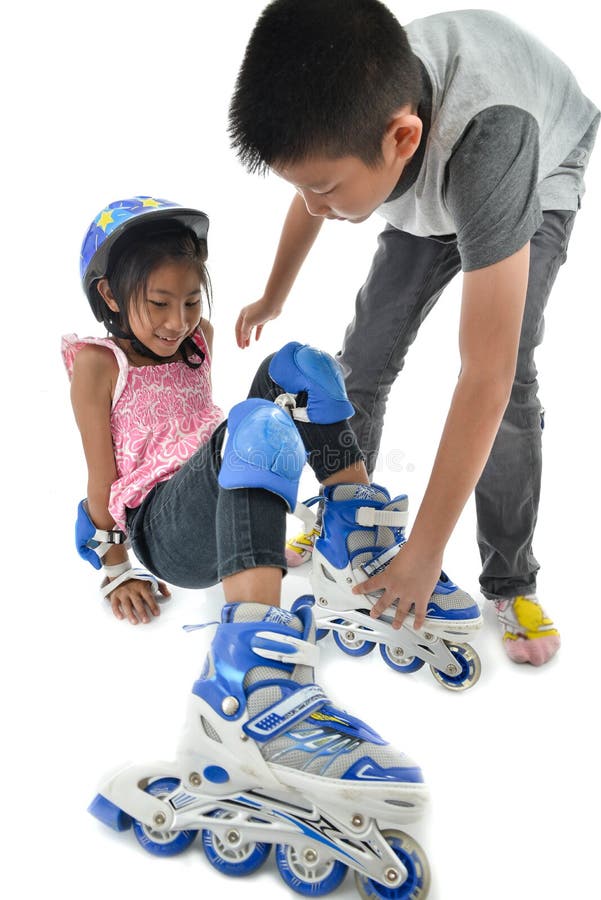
{"x":149,"y":201}
{"x":104,"y":219}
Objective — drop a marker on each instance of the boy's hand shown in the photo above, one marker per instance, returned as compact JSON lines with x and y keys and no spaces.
{"x":135,"y":600}
{"x":255,"y":315}
{"x":410,"y":579}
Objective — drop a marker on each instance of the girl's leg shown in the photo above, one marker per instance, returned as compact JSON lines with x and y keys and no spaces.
{"x":192,"y":533}
{"x":333,"y":451}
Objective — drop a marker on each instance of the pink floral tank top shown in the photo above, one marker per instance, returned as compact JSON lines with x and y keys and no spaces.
{"x":160,"y":416}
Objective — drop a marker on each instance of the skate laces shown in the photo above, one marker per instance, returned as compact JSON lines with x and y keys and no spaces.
{"x":198,"y":627}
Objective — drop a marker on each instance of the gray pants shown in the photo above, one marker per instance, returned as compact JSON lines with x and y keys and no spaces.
{"x":407,"y":277}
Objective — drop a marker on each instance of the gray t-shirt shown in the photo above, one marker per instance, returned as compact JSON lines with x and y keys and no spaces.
{"x":507,"y":134}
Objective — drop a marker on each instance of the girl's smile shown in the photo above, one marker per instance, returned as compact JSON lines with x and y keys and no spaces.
{"x":169,"y":310}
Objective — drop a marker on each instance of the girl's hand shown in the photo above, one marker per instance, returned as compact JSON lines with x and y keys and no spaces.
{"x":410,"y":579}
{"x":255,"y":315}
{"x":135,"y":599}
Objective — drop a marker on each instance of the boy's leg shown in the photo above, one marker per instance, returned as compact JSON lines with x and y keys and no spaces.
{"x":507,"y":494}
{"x":407,"y":276}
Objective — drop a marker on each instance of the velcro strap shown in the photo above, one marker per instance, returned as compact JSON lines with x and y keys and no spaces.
{"x":284,"y":648}
{"x":286,"y":713}
{"x":119,"y":569}
{"x":394,"y":518}
{"x":378,"y":563}
{"x":106,"y":537}
{"x":131,"y":574}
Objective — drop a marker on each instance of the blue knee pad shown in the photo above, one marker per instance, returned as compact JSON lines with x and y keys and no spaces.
{"x":263,"y":450}
{"x":300,"y":367}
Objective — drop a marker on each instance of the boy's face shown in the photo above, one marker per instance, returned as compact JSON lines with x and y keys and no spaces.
{"x":343,"y":188}
{"x":346,"y":188}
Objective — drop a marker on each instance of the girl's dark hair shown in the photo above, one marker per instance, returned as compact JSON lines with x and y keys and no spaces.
{"x":321,"y":77}
{"x":132,"y":260}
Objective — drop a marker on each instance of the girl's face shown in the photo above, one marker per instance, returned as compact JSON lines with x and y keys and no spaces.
{"x":170,"y":308}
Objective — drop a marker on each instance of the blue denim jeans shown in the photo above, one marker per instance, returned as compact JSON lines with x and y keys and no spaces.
{"x":406,"y":279}
{"x":192,"y":533}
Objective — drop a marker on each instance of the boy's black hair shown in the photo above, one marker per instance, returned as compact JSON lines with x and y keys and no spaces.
{"x":134,"y":257}
{"x":321,"y":77}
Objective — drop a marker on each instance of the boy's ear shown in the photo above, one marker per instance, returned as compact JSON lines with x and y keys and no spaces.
{"x":107,"y":295}
{"x":403,"y":134}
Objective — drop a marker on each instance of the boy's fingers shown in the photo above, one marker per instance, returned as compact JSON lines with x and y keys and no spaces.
{"x":241,"y":335}
{"x":400,"y":616}
{"x":381,"y":605}
{"x":419,"y":619}
{"x":366,"y":587}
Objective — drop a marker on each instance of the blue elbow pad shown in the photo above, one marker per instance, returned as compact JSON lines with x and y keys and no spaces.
{"x":300,"y":367}
{"x":263,"y":450}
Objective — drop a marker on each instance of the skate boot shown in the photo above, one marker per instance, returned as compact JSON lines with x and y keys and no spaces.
{"x":266,"y":759}
{"x":362,"y":531}
{"x":529,"y":635}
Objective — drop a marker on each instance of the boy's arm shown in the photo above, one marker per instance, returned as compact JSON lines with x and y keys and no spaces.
{"x":491,"y":317}
{"x":298,"y":236}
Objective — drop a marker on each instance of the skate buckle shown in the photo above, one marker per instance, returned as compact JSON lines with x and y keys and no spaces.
{"x":367,"y":516}
{"x":379,"y":563}
{"x":286,"y":712}
{"x":285,"y":648}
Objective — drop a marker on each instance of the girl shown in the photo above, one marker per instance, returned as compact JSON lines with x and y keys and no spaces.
{"x":198,"y":511}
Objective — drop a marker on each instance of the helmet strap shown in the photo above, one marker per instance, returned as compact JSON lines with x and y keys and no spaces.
{"x":186,"y":348}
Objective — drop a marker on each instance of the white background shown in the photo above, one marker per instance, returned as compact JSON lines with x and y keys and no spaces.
{"x":107,"y":100}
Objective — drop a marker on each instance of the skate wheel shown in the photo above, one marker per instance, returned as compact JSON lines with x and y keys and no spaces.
{"x":468,"y":663}
{"x":309,"y":600}
{"x":230,"y":853}
{"x":417,"y":883}
{"x":309,"y":871}
{"x":162,"y":843}
{"x":396,"y":658}
{"x":349,"y":642}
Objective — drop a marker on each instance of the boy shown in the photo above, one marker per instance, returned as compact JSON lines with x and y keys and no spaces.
{"x":470,"y":139}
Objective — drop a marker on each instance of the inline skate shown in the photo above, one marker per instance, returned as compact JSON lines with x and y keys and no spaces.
{"x":266,"y":759}
{"x":362,"y":531}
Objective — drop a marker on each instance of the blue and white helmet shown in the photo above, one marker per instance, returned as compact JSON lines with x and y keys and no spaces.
{"x":113,"y":221}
